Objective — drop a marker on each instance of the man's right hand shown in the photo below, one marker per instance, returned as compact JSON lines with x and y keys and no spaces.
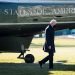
{"x":49,"y":47}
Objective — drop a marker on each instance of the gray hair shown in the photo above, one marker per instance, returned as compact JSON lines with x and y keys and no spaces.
{"x":53,"y":22}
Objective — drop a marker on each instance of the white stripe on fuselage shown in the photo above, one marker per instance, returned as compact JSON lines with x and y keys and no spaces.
{"x":34,"y":23}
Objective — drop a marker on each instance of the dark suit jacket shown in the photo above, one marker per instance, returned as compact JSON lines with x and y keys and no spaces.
{"x":49,"y":39}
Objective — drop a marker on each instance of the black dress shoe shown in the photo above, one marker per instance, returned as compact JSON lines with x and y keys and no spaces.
{"x":40,"y":64}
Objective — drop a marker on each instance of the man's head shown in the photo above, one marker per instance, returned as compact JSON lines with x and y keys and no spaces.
{"x":53,"y":22}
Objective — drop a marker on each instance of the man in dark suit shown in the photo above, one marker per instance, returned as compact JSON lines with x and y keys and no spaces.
{"x":49,"y":44}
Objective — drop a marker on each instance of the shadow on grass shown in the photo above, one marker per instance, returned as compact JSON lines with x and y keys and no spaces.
{"x":33,"y":45}
{"x":64,"y":67}
{"x":22,"y":69}
{"x":62,"y":61}
{"x":32,"y":69}
{"x":65,"y":45}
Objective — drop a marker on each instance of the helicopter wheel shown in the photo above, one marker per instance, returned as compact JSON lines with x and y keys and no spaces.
{"x":29,"y":58}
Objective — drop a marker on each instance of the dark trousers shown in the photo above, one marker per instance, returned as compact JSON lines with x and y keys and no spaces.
{"x":50,"y":58}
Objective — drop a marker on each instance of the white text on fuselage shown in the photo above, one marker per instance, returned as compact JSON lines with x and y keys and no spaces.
{"x":38,"y":11}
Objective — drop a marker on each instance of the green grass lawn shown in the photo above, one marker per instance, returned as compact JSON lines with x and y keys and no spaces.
{"x":59,"y":42}
{"x":64,"y":60}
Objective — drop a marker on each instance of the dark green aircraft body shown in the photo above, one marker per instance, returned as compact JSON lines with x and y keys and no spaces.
{"x":19,"y":22}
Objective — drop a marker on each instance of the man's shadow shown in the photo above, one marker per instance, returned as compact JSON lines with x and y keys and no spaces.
{"x":62,"y":66}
